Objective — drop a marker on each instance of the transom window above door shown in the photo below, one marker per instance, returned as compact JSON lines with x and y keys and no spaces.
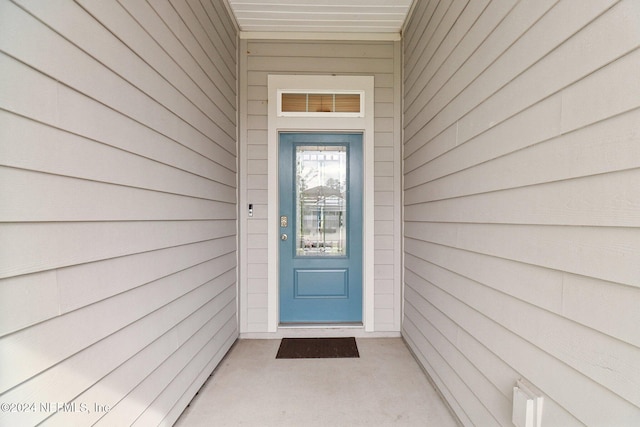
{"x":321,"y":104}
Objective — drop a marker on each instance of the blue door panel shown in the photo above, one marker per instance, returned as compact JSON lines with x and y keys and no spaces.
{"x":320,"y":289}
{"x":327,"y":283}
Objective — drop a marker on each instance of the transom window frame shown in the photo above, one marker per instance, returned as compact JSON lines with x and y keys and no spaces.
{"x":281,"y":113}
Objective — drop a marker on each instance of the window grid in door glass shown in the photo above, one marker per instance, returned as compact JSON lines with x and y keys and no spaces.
{"x":321,"y":204}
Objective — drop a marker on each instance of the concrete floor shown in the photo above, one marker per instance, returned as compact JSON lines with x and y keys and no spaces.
{"x":385,"y":386}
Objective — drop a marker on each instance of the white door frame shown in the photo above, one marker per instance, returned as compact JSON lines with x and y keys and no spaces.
{"x":279,"y":123}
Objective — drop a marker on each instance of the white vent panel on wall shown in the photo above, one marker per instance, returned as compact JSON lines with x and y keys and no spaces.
{"x":527,"y":405}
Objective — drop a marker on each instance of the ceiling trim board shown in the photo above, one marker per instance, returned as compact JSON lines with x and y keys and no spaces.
{"x":294,"y":35}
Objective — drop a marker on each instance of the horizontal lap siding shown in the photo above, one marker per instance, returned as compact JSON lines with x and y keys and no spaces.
{"x":522,"y":206}
{"x":118,"y":213}
{"x":379,"y":59}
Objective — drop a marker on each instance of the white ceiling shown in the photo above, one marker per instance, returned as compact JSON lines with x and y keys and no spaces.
{"x":321,"y":16}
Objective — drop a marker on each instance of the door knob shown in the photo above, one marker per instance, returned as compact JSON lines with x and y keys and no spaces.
{"x":283,"y":237}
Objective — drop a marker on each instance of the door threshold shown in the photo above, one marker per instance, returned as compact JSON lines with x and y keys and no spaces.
{"x":344,"y":325}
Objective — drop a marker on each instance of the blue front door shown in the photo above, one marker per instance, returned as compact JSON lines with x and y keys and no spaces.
{"x":320,"y":187}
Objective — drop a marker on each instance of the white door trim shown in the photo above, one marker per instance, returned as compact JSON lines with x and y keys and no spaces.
{"x":278,"y":124}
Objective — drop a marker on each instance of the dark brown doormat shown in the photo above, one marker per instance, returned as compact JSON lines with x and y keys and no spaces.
{"x":317,"y":348}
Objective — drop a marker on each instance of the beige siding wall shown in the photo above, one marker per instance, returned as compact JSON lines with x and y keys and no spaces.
{"x":522,"y":205}
{"x":118,"y":206}
{"x":380,"y":59}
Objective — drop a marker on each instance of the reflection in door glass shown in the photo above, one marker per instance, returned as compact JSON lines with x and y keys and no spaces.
{"x":321,"y":204}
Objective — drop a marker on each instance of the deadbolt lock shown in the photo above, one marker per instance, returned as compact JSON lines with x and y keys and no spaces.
{"x":284,"y":221}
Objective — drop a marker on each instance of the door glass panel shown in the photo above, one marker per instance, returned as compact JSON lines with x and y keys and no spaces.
{"x":321,"y":205}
